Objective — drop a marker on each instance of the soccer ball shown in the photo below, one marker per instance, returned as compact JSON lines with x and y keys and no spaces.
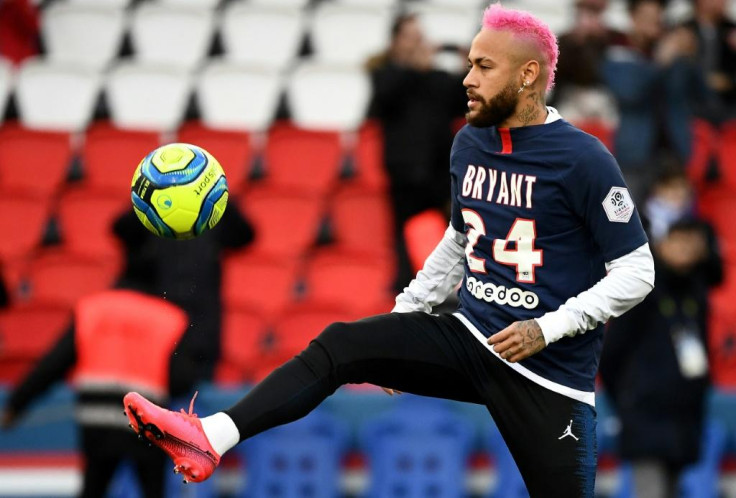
{"x":179,"y":191}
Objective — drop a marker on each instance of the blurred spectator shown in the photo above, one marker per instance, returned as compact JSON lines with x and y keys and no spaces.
{"x":580,"y":93}
{"x":416,"y":105}
{"x":189,"y":274}
{"x":119,"y":340}
{"x":716,"y":49}
{"x":4,"y":296}
{"x":656,"y":82}
{"x":19,"y":30}
{"x":654,"y":365}
{"x":671,"y":200}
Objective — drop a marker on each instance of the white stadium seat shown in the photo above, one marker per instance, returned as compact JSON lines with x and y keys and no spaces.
{"x":210,"y":4}
{"x":448,"y":25}
{"x":172,"y":35}
{"x":262,"y":35}
{"x":100,"y":3}
{"x":6,"y":84}
{"x":232,"y":96}
{"x":328,"y":97}
{"x":148,"y":96}
{"x":347,"y":34}
{"x":371,"y":3}
{"x":83,"y":34}
{"x":292,"y":4}
{"x":56,"y":96}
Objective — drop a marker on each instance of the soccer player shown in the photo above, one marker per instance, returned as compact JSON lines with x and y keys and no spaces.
{"x":549,"y":245}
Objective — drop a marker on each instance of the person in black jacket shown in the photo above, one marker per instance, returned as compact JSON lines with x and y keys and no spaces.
{"x":655,"y":364}
{"x":416,"y":105}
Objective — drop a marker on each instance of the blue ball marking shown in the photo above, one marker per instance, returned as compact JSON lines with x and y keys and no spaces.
{"x":179,"y":177}
{"x":218,"y":190}
{"x":152,"y":216}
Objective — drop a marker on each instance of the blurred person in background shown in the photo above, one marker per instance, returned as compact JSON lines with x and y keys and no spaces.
{"x":4,"y":295}
{"x":19,"y":30}
{"x":656,"y":81}
{"x":102,"y":351}
{"x":580,"y":93}
{"x":189,"y":274}
{"x":716,"y":50}
{"x":416,"y":105}
{"x":655,"y":365}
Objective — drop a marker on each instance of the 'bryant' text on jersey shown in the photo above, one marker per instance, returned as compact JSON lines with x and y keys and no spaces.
{"x":486,"y":183}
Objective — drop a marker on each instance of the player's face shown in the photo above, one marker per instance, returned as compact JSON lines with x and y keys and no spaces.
{"x":493,"y":79}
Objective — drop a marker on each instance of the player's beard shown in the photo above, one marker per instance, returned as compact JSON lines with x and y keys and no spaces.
{"x":495,"y":111}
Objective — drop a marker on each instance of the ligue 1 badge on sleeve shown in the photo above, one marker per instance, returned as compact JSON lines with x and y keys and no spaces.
{"x":618,"y":205}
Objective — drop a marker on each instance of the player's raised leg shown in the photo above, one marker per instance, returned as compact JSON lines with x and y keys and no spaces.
{"x":411,"y":352}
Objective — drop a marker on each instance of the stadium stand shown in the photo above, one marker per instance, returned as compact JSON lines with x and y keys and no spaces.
{"x":6,"y":84}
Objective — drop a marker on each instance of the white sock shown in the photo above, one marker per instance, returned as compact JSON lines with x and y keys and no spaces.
{"x":221,"y":432}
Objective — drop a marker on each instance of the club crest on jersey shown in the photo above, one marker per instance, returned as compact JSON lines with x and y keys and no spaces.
{"x":618,"y":205}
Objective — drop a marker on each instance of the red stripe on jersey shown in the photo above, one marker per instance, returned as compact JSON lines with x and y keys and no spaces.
{"x":506,"y":140}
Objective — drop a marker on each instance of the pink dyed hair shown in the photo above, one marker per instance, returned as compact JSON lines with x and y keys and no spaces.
{"x":524,"y":25}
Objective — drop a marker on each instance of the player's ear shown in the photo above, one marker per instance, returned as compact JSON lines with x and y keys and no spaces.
{"x":530,"y":72}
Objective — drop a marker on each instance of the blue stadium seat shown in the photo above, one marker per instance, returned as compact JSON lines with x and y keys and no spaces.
{"x":418,"y":449}
{"x":298,"y":460}
{"x":509,"y":482}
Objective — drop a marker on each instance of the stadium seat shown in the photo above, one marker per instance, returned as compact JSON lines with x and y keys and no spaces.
{"x":172,"y":35}
{"x":59,"y":278}
{"x":328,"y":97}
{"x":260,"y":282}
{"x":49,"y":161}
{"x":294,"y":4}
{"x":22,"y":224}
{"x":26,"y":333}
{"x":418,"y":449}
{"x":334,"y":29}
{"x":722,"y":336}
{"x":422,"y":233}
{"x":56,"y":96}
{"x":362,"y":221}
{"x":359,"y":283}
{"x":717,"y":206}
{"x":147,"y":96}
{"x":727,"y":156}
{"x":448,"y":24}
{"x":510,"y":484}
{"x":6,"y":84}
{"x":297,"y":460}
{"x":368,"y":169}
{"x":245,"y":25}
{"x":233,"y":96}
{"x":704,"y":146}
{"x":85,"y":35}
{"x":286,"y":221}
{"x":85,"y":221}
{"x":232,"y":149}
{"x":97,"y":3}
{"x":701,"y":479}
{"x":110,"y":156}
{"x":308,"y":161}
{"x":243,"y":343}
{"x":294,"y":329}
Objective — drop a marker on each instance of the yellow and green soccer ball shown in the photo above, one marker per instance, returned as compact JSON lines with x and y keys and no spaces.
{"x":179,"y":191}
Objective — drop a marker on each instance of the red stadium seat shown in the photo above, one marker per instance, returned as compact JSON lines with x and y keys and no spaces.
{"x":286,"y":222}
{"x":232,"y":150}
{"x":362,"y":221}
{"x":110,"y":155}
{"x":717,"y":205}
{"x":369,"y":168}
{"x":298,"y":326}
{"x":303,"y":160}
{"x":60,"y":278}
{"x":599,"y":129}
{"x":727,"y":156}
{"x":422,"y":233}
{"x":86,"y":219}
{"x":33,"y":162}
{"x":243,"y":339}
{"x":358,"y":283}
{"x":22,"y":224}
{"x":704,"y":146}
{"x":26,"y":333}
{"x":260,"y":282}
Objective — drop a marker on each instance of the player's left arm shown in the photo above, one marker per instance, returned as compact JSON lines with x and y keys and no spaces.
{"x":608,"y":210}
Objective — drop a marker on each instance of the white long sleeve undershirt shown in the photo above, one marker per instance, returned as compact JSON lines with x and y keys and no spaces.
{"x":630,"y":278}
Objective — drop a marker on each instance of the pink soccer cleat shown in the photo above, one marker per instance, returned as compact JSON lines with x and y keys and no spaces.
{"x":180,"y":435}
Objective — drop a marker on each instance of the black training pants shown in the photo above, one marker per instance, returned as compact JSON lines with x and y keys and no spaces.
{"x":436,"y":356}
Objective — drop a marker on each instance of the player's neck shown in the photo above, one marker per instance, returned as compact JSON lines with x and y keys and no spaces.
{"x":531,"y":110}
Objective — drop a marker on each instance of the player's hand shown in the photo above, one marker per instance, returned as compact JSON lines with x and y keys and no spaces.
{"x":518,"y":341}
{"x":390,"y":392}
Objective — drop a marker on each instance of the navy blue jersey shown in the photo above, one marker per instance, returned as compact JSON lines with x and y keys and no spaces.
{"x":544,"y":207}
